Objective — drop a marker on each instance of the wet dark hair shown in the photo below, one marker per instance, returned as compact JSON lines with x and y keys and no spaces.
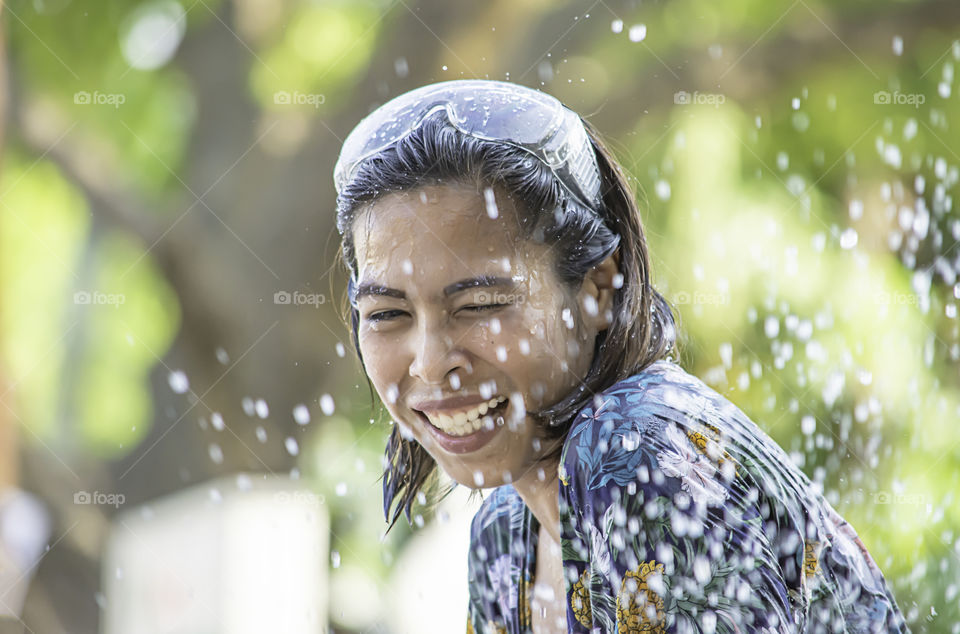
{"x":643,"y":328}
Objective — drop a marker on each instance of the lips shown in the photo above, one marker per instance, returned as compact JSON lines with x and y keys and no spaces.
{"x":472,"y":441}
{"x":463,"y":421}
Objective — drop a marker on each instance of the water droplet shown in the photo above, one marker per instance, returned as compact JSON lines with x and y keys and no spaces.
{"x":335,"y":558}
{"x":341,"y":352}
{"x":292,"y":447}
{"x":216,"y":454}
{"x":247,"y":403}
{"x":486,"y":391}
{"x":407,"y":267}
{"x":261,"y":434}
{"x":590,"y":305}
{"x":524,"y":347}
{"x":726,"y":354}
{"x":392,"y":393}
{"x":261,"y":408}
{"x":808,"y":424}
{"x":897,"y":45}
{"x":326,"y":404}
{"x":301,"y":414}
{"x":222,"y":356}
{"x":216,"y":419}
{"x":662,"y":189}
{"x":478,"y":478}
{"x":501,"y":354}
{"x":178,"y":381}
{"x":783,"y":161}
{"x":891,"y":155}
{"x":341,"y":489}
{"x":491,"y":202}
{"x":856,"y":209}
{"x":638,"y":32}
{"x":848,"y":239}
{"x":771,"y":326}
{"x":701,"y":569}
{"x":616,"y":26}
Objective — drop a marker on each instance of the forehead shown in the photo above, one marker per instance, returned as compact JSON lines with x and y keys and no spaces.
{"x":446,"y":229}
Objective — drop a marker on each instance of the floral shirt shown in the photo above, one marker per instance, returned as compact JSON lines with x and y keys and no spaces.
{"x":678,"y":514}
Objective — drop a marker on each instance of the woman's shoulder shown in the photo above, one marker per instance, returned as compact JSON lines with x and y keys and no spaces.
{"x":645,"y":402}
{"x":666,"y":416}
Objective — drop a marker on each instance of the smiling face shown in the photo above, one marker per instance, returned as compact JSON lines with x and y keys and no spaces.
{"x":456,"y":307}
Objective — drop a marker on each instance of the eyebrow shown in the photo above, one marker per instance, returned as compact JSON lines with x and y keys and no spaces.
{"x":482,"y":281}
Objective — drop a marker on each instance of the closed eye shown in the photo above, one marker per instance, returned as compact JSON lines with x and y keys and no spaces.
{"x":384,"y":315}
{"x":387,"y":315}
{"x":483,"y":307}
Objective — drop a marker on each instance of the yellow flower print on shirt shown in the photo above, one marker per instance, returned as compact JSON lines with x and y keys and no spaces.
{"x":580,"y":600}
{"x":701,"y":439}
{"x":525,"y":614}
{"x":811,"y":559}
{"x":635,"y":600}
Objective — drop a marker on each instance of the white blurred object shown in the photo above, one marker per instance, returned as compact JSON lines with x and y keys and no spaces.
{"x":429,"y":584}
{"x":222,"y":558}
{"x":24,"y":530}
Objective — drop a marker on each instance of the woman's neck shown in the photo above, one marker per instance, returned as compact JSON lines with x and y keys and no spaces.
{"x":540,"y":495}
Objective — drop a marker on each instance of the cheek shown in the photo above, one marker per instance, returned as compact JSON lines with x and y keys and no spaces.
{"x":379,"y":359}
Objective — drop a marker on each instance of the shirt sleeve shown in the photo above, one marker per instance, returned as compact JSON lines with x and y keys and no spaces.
{"x":491,"y":579}
{"x":479,"y":621}
{"x":670,"y":540}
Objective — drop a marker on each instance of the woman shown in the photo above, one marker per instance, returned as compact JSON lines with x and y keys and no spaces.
{"x":501,"y":305}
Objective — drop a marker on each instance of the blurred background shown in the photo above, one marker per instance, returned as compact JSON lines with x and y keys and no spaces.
{"x":187,"y":443}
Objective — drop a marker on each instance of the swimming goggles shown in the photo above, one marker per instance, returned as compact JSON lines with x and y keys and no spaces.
{"x":486,"y":109}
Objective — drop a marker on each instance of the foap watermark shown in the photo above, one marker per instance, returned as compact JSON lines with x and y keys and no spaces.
{"x":896,"y":298}
{"x":684,"y":98}
{"x":297,"y":298}
{"x":307,"y":498}
{"x":907,"y":499}
{"x":97,"y":98}
{"x":493,"y":297}
{"x":699,"y":297}
{"x":297,"y":98}
{"x":885,"y":97}
{"x":99,"y":498}
{"x":96,"y":298}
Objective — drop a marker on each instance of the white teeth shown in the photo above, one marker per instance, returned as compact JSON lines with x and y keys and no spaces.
{"x":464,"y":422}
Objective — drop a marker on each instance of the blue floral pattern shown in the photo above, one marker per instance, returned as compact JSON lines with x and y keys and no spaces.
{"x":678,"y":514}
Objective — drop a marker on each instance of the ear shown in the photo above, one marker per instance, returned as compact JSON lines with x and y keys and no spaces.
{"x":598,"y":284}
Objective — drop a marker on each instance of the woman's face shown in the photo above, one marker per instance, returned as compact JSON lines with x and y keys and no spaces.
{"x":457,"y":312}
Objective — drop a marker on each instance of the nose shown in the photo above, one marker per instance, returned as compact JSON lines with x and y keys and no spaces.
{"x":435,"y":355}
